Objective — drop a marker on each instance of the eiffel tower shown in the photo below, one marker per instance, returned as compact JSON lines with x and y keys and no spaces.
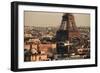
{"x":67,"y":31}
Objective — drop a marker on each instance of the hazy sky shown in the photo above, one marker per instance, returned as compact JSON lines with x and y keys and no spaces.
{"x":46,"y":19}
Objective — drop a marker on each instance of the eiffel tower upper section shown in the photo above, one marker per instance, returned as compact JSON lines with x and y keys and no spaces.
{"x":68,"y":24}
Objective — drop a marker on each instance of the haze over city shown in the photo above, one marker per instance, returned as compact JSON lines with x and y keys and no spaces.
{"x":46,"y":19}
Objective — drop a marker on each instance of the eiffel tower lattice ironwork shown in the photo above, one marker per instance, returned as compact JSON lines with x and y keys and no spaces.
{"x":68,"y":24}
